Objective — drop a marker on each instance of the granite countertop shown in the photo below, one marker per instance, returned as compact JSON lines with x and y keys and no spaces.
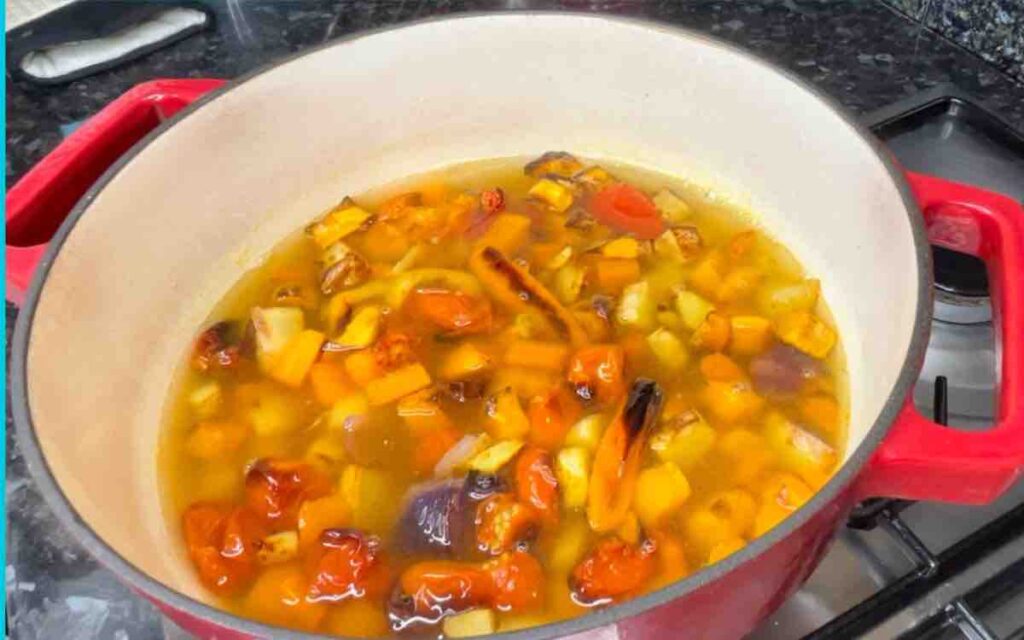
{"x":863,"y":54}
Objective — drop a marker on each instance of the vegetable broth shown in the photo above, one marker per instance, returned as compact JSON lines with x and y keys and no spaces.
{"x":488,"y":372}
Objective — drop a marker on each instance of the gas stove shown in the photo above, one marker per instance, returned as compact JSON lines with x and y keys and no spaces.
{"x":929,"y":570}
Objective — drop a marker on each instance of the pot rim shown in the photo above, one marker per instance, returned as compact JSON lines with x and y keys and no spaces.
{"x":159,"y":592}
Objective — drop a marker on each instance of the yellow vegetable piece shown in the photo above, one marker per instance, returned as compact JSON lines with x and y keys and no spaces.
{"x":278,"y":597}
{"x":806,"y":332}
{"x":586,"y":432}
{"x":291,"y":365}
{"x":275,"y":413}
{"x":636,"y":306}
{"x":507,"y":420}
{"x":704,"y":529}
{"x":800,"y":451}
{"x":739,"y":284}
{"x":370,"y":494}
{"x":783,"y":494}
{"x":671,"y":207}
{"x":335,"y":314}
{"x":464,"y":361}
{"x":692,"y":308}
{"x":475,"y":622}
{"x":274,"y":328}
{"x":396,"y":384}
{"x":326,"y":451}
{"x":207,"y":399}
{"x":538,"y":355}
{"x":629,"y":530}
{"x":737,"y":507}
{"x":660,"y":491}
{"x":684,"y":441}
{"x":751,"y":335}
{"x":821,"y":412}
{"x":278,"y":547}
{"x":707,"y":277}
{"x":669,"y":350}
{"x":555,"y":195}
{"x":560,"y":259}
{"x":571,"y":539}
{"x":493,"y":458}
{"x":329,"y":382}
{"x":745,"y":454}
{"x":210,"y":440}
{"x":508,"y":233}
{"x":779,"y":299}
{"x":713,"y":334}
{"x":621,"y":248}
{"x":362,"y":367}
{"x":725,"y":548}
{"x":572,"y":467}
{"x":316,"y":515}
{"x":338,"y":223}
{"x":362,"y":329}
{"x":731,"y":401}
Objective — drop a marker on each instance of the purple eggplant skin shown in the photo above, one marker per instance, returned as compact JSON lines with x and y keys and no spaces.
{"x":783,"y":370}
{"x":438,"y":516}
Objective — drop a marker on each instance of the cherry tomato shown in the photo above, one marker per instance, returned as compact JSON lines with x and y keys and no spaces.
{"x":502,"y":522}
{"x":274,"y":489}
{"x":551,"y":416}
{"x":346,"y":564}
{"x":625,"y":207}
{"x":597,"y":372}
{"x":517,"y":578}
{"x":612,"y":570}
{"x":222,"y":543}
{"x":536,"y":484}
{"x":439,"y":587}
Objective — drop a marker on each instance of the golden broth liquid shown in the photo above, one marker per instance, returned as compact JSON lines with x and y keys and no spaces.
{"x":728,"y":456}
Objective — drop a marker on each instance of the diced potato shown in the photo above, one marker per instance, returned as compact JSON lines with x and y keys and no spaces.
{"x":206,"y":400}
{"x":667,"y":248}
{"x":316,"y":515}
{"x":821,"y":412}
{"x":370,"y":494}
{"x":660,"y":491}
{"x":210,"y":440}
{"x":569,"y":283}
{"x":555,"y":195}
{"x":629,"y":530}
{"x":737,"y":507}
{"x":275,"y":327}
{"x":713,"y":334}
{"x":572,"y":466}
{"x":636,"y":307}
{"x":475,"y":622}
{"x":751,"y":335}
{"x":783,"y":494}
{"x":326,"y":451}
{"x":361,"y":330}
{"x":397,"y":384}
{"x":787,"y":298}
{"x":351,"y":409}
{"x":614,"y":274}
{"x":465,"y":361}
{"x":338,"y":223}
{"x":739,"y":284}
{"x":218,"y":482}
{"x":707,"y":277}
{"x":586,"y":432}
{"x":704,"y":529}
{"x":278,"y":597}
{"x":291,"y":365}
{"x":560,"y":259}
{"x":725,"y":548}
{"x":685,"y":441}
{"x":692,"y":308}
{"x":624,"y":247}
{"x":800,"y":451}
{"x":746,"y":455}
{"x":571,"y":540}
{"x":669,"y":350}
{"x":507,"y":233}
{"x":278,"y":547}
{"x":275,"y":414}
{"x":671,"y":207}
{"x":670,"y":320}
{"x":806,"y":332}
{"x":362,"y":367}
{"x":507,"y":420}
{"x":731,"y":402}
{"x":493,"y":458}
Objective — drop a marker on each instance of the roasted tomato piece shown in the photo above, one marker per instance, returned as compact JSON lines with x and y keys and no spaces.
{"x":517,"y":580}
{"x":492,"y":200}
{"x":428,"y":591}
{"x":455,"y":312}
{"x":393,"y":350}
{"x":502,"y":522}
{"x":216,"y":348}
{"x":222,"y":542}
{"x":597,"y":372}
{"x":275,"y":489}
{"x":346,"y":564}
{"x":536,"y":483}
{"x":612,"y":570}
{"x":551,"y":416}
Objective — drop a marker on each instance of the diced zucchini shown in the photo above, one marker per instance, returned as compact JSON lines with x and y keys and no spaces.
{"x":278,"y":547}
{"x":671,"y":207}
{"x":275,"y":327}
{"x":692,"y":308}
{"x":361,"y":330}
{"x":660,"y":491}
{"x":806,"y":332}
{"x":586,"y":432}
{"x":684,"y":441}
{"x":507,"y":420}
{"x":572,"y":466}
{"x":669,"y":350}
{"x":779,"y":299}
{"x":493,"y":458}
{"x":347,"y":411}
{"x":569,"y":283}
{"x":636,"y":307}
{"x":475,"y":622}
{"x":555,"y":195}
{"x":206,"y":399}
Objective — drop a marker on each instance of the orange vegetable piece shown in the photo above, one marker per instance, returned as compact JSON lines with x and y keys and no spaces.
{"x":357,"y":618}
{"x":279,"y":598}
{"x":393,"y":350}
{"x":720,"y":367}
{"x":751,"y":335}
{"x":396,"y":207}
{"x":400,"y":382}
{"x":210,"y":440}
{"x":384,"y":242}
{"x":292,"y":364}
{"x":551,"y":416}
{"x":613,"y":274}
{"x":672,"y":563}
{"x":453,"y":311}
{"x":502,"y":522}
{"x":437,"y":587}
{"x":596,"y":372}
{"x":274,"y":489}
{"x":329,"y":382}
{"x":536,"y":354}
{"x":431,"y":445}
{"x":508,"y":233}
{"x":731,"y":401}
{"x":222,"y":544}
{"x":613,"y":570}
{"x":362,"y":367}
{"x":741,"y":244}
{"x":346,"y":564}
{"x":319,"y":514}
{"x":536,"y":484}
{"x":821,"y":412}
{"x":712,"y":334}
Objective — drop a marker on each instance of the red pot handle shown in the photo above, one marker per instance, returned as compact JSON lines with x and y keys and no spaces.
{"x":920,"y":459}
{"x":44,"y":196}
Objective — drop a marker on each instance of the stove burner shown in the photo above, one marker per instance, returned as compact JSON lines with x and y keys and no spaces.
{"x":959,"y":274}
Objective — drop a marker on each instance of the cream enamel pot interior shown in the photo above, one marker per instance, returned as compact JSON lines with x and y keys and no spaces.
{"x":135,"y":271}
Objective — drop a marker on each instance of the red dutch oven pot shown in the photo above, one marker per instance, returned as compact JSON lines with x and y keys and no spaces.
{"x":173,"y":190}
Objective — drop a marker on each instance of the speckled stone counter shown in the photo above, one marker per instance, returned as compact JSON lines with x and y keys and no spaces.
{"x":863,"y":54}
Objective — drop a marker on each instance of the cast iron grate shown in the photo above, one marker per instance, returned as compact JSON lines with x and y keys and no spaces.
{"x":931,"y":570}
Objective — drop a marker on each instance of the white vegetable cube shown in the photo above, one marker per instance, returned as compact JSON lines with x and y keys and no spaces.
{"x":572,"y":466}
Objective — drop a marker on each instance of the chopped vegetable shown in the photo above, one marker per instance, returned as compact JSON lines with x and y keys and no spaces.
{"x":275,"y":413}
{"x":206,"y":400}
{"x":362,"y":367}
{"x":508,"y":233}
{"x":572,"y":468}
{"x":799,"y":450}
{"x":671,"y":207}
{"x":739,"y":284}
{"x":557,"y":163}
{"x":213,"y":349}
{"x":275,"y":488}
{"x":551,"y":415}
{"x":455,"y":312}
{"x":751,"y":335}
{"x":614,"y":274}
{"x":222,"y":543}
{"x":464,"y":361}
{"x":460,"y":453}
{"x":569,"y":282}
{"x":347,"y":564}
{"x":721,"y":368}
{"x":596,"y":372}
{"x":619,"y":454}
{"x":707,"y":277}
{"x":626,"y":208}
{"x":475,"y":622}
{"x":586,"y":432}
{"x":660,"y":491}
{"x":636,"y":307}
{"x":558,"y":197}
{"x":319,"y":514}
{"x":348,"y":411}
{"x":784,"y":370}
{"x":210,"y":440}
{"x":335,"y":315}
{"x":782,"y":495}
{"x":397,"y":384}
{"x":538,"y":355}
{"x":806,"y":332}
{"x":560,"y":259}
{"x":737,"y":507}
{"x":613,"y":570}
{"x":279,"y":598}
{"x":278,"y":547}
{"x":434,"y":518}
{"x":822,"y":413}
{"x":704,"y":529}
{"x":746,"y":455}
{"x":496,"y":456}
{"x":787,"y":298}
{"x":692,"y":308}
{"x":398,"y":288}
{"x":368,"y":492}
{"x":725,"y":548}
{"x":570,"y":544}
{"x":329,"y":382}
{"x":688,"y":241}
{"x":338,"y":223}
{"x":326,"y":451}
{"x":275,"y":327}
{"x":536,"y":484}
{"x":502,"y":523}
{"x":343,"y":269}
{"x":627,"y":248}
{"x":731,"y":402}
{"x":740,"y":245}
{"x":684,"y":440}
{"x":361,"y":330}
{"x":713,"y":334}
{"x":293,"y":362}
{"x":669,"y":350}
{"x":629,"y":530}
{"x":507,"y":420}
